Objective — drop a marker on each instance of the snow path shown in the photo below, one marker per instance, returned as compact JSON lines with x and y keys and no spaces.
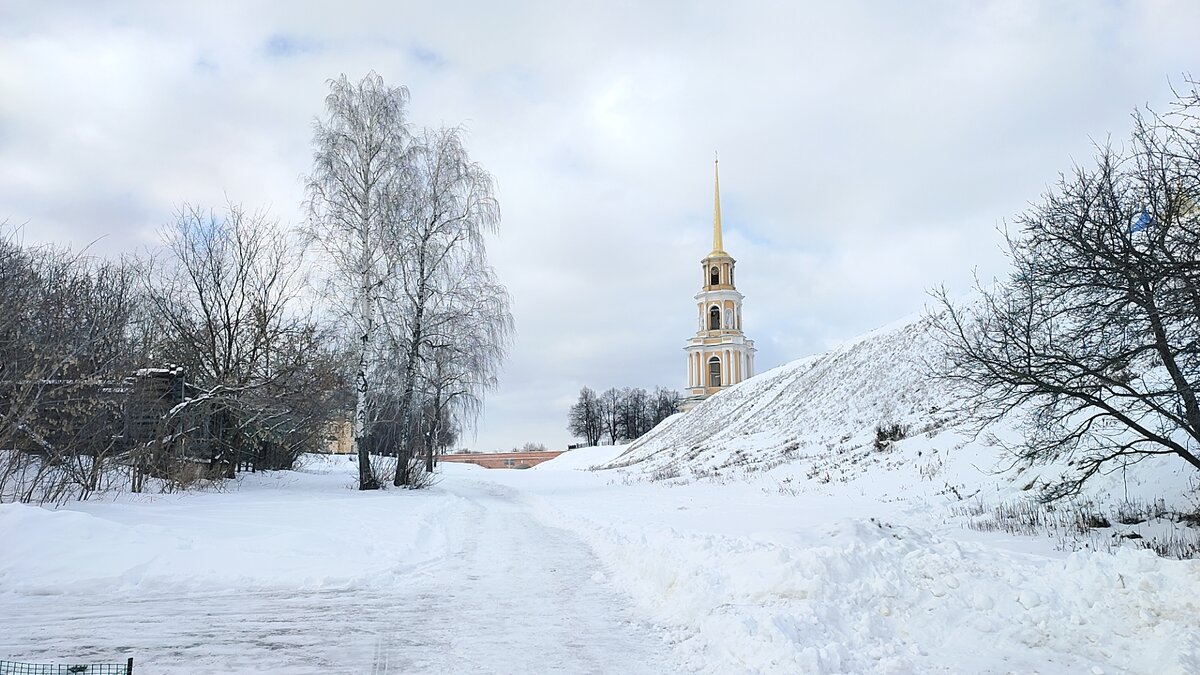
{"x":504,"y":594}
{"x":524,"y":590}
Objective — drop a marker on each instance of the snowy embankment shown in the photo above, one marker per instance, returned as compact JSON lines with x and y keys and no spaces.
{"x":810,"y":427}
{"x":754,"y":581}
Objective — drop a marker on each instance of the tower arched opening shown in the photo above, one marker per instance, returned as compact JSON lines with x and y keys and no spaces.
{"x":714,"y":318}
{"x":714,"y":372}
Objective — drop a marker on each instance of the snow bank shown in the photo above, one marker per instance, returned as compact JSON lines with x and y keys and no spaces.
{"x":298,"y":573}
{"x":864,"y":596}
{"x":582,"y":458}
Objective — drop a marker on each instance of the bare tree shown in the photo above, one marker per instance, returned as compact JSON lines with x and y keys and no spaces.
{"x":224,"y":287}
{"x":635,"y":412}
{"x":356,"y":206}
{"x":664,"y":404}
{"x":623,"y":414}
{"x":66,"y":335}
{"x":610,"y":413}
{"x":1095,"y":337}
{"x":585,"y":419}
{"x":225,"y":293}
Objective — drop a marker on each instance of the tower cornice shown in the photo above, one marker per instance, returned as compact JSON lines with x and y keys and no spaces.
{"x":727,"y":293}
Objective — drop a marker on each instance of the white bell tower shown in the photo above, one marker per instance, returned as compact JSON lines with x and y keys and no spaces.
{"x":719,"y":355}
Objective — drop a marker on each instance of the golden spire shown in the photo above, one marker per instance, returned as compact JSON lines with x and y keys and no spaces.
{"x":718,"y":248}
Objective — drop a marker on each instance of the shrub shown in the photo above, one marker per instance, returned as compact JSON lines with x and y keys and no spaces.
{"x":665,"y":473}
{"x":888,"y":432}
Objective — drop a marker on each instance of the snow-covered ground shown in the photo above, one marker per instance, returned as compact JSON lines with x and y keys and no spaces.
{"x":557,"y":569}
{"x":747,"y":579}
{"x":297,"y":573}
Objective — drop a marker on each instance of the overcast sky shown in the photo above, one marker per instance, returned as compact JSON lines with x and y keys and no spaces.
{"x":869,"y":150}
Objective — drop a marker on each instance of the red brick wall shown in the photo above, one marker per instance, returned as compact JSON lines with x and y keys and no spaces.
{"x":502,"y":460}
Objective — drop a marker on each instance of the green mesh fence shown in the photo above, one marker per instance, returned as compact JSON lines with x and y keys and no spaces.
{"x":18,"y":668}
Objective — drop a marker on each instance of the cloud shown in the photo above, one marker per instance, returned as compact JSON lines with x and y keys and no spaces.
{"x":282,"y":46}
{"x":869,"y":150}
{"x":428,"y":57}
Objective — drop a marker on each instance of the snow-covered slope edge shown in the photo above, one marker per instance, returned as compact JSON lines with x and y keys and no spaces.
{"x":810,"y":425}
{"x":825,"y":404}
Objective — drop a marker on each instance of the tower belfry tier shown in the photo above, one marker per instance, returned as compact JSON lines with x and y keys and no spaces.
{"x":719,"y":355}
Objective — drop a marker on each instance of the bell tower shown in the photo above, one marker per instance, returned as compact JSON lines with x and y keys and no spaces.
{"x":719,"y":355}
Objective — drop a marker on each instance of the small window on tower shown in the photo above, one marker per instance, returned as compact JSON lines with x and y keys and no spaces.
{"x":714,"y":372}
{"x":714,"y":318}
{"x":714,"y":277}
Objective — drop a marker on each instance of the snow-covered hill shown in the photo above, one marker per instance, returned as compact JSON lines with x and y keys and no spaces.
{"x":828,"y":404}
{"x":811,"y":426}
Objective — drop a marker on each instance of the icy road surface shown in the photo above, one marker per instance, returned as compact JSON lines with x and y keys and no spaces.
{"x":297,"y":574}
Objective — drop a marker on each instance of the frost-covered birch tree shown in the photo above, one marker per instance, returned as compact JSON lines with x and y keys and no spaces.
{"x":444,"y":287}
{"x":403,"y":219}
{"x":356,"y":193}
{"x":468,"y":335}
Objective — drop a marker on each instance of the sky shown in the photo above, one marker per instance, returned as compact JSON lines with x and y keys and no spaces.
{"x":870,"y":151}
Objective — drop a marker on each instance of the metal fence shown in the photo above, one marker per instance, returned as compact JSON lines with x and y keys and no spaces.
{"x":18,"y":668}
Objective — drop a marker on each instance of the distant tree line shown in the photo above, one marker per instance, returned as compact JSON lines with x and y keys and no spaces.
{"x":620,"y":414}
{"x":220,"y":350}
